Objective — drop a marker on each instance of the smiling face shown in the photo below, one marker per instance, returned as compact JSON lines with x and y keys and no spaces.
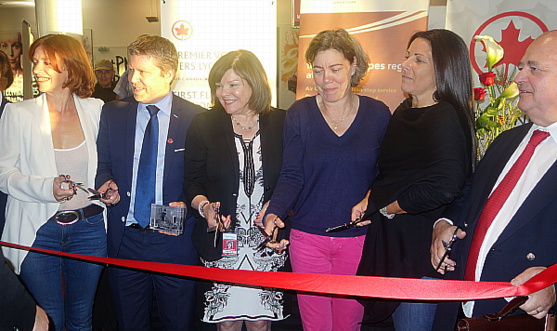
{"x":537,"y":80}
{"x":104,"y":77}
{"x":332,"y":73}
{"x":48,"y":79}
{"x":234,"y":93}
{"x":11,"y":45}
{"x":418,"y":73}
{"x":150,"y":84}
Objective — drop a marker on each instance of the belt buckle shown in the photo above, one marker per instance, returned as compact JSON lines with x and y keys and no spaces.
{"x":67,"y":217}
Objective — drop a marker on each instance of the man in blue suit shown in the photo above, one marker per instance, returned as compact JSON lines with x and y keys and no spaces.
{"x":521,"y":239}
{"x":153,"y":122}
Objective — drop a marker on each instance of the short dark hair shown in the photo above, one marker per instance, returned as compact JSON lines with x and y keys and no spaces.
{"x":343,"y":42}
{"x":6,"y":74}
{"x":453,"y":73}
{"x":68,"y":52}
{"x":246,"y":65}
{"x":161,"y":50}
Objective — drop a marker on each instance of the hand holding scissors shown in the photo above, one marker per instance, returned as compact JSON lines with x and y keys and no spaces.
{"x":441,"y":248}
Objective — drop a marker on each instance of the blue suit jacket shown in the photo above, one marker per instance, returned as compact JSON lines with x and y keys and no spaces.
{"x":532,"y":229}
{"x":115,"y":145}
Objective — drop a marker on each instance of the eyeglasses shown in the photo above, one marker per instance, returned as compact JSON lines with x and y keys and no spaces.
{"x":448,"y":247}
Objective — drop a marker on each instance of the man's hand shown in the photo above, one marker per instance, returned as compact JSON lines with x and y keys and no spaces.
{"x":443,"y":231}
{"x":110,"y":188}
{"x":538,"y":303}
{"x":175,"y":204}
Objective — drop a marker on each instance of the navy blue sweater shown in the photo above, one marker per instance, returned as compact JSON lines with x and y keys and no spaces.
{"x":323,"y":175}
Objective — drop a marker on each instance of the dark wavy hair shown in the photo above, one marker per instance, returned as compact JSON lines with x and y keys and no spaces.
{"x":453,"y":74}
{"x":64,"y":51}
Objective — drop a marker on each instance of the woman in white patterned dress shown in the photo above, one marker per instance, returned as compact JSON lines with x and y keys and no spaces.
{"x":233,"y":159}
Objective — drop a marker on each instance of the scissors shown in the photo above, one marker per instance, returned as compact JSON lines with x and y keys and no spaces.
{"x":268,"y":238}
{"x":218,"y":228}
{"x":448,"y":247}
{"x":96,"y":194}
{"x":345,"y":226}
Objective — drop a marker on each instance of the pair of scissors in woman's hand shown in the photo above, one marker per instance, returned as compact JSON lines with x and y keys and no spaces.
{"x":268,"y":238}
{"x":448,"y":247}
{"x":345,"y":226}
{"x":219,"y":227}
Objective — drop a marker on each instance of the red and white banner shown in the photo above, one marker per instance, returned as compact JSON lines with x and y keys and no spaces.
{"x":382,"y":27}
{"x":514,"y":24}
{"x":203,"y":31}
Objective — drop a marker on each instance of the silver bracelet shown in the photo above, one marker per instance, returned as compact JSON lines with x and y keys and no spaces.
{"x":200,"y":207}
{"x":383,"y":212}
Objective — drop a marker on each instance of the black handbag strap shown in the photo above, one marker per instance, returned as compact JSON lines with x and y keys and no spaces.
{"x":509,"y":308}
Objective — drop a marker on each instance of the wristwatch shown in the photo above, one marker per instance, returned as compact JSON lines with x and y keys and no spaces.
{"x":383,"y":212}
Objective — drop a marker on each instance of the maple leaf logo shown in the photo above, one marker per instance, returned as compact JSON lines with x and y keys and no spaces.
{"x":514,"y":49}
{"x":182,"y":30}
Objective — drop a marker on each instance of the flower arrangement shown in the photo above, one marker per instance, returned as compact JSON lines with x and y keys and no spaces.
{"x":496,"y":108}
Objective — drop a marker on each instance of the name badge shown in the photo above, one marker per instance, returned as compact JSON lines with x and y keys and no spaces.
{"x":229,"y":244}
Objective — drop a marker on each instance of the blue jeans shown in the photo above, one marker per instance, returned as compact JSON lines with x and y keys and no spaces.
{"x":414,"y":316}
{"x":46,"y":275}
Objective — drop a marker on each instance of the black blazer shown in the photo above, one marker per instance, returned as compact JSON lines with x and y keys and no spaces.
{"x":212,"y":167}
{"x":527,"y":241}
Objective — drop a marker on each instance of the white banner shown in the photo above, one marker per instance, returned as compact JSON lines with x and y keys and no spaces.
{"x":514,"y":24}
{"x":205,"y":30}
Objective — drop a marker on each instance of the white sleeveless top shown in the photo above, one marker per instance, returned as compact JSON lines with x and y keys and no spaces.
{"x":73,"y":162}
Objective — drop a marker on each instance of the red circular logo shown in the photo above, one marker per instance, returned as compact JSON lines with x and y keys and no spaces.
{"x":182,"y":30}
{"x":513,"y":30}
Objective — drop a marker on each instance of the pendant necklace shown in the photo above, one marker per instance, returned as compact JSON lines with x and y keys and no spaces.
{"x":335,"y":122}
{"x":243,"y":126}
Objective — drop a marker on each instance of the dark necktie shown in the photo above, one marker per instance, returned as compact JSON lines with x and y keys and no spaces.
{"x":497,"y":199}
{"x":146,"y":173}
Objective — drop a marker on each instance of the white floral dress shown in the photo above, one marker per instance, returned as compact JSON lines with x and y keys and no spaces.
{"x":227,"y":302}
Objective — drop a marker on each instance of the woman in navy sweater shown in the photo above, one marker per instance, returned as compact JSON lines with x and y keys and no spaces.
{"x":331,"y":144}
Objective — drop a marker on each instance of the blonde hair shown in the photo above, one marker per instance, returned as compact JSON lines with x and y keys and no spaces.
{"x":161,"y":50}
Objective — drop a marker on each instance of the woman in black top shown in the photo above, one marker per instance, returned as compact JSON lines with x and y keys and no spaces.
{"x":425,"y":157}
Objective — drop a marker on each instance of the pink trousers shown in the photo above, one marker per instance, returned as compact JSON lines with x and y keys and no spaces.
{"x":316,"y":254}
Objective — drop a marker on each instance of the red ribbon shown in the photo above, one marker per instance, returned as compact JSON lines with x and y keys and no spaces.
{"x":363,"y":286}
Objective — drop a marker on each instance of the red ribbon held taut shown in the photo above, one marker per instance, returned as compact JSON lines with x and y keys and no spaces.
{"x":363,"y":286}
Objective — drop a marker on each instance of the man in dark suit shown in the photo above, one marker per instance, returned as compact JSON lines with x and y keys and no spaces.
{"x":516,"y":240}
{"x":141,"y":161}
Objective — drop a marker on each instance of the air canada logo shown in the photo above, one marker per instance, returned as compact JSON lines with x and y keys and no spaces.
{"x":514,"y":31}
{"x":182,"y":30}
